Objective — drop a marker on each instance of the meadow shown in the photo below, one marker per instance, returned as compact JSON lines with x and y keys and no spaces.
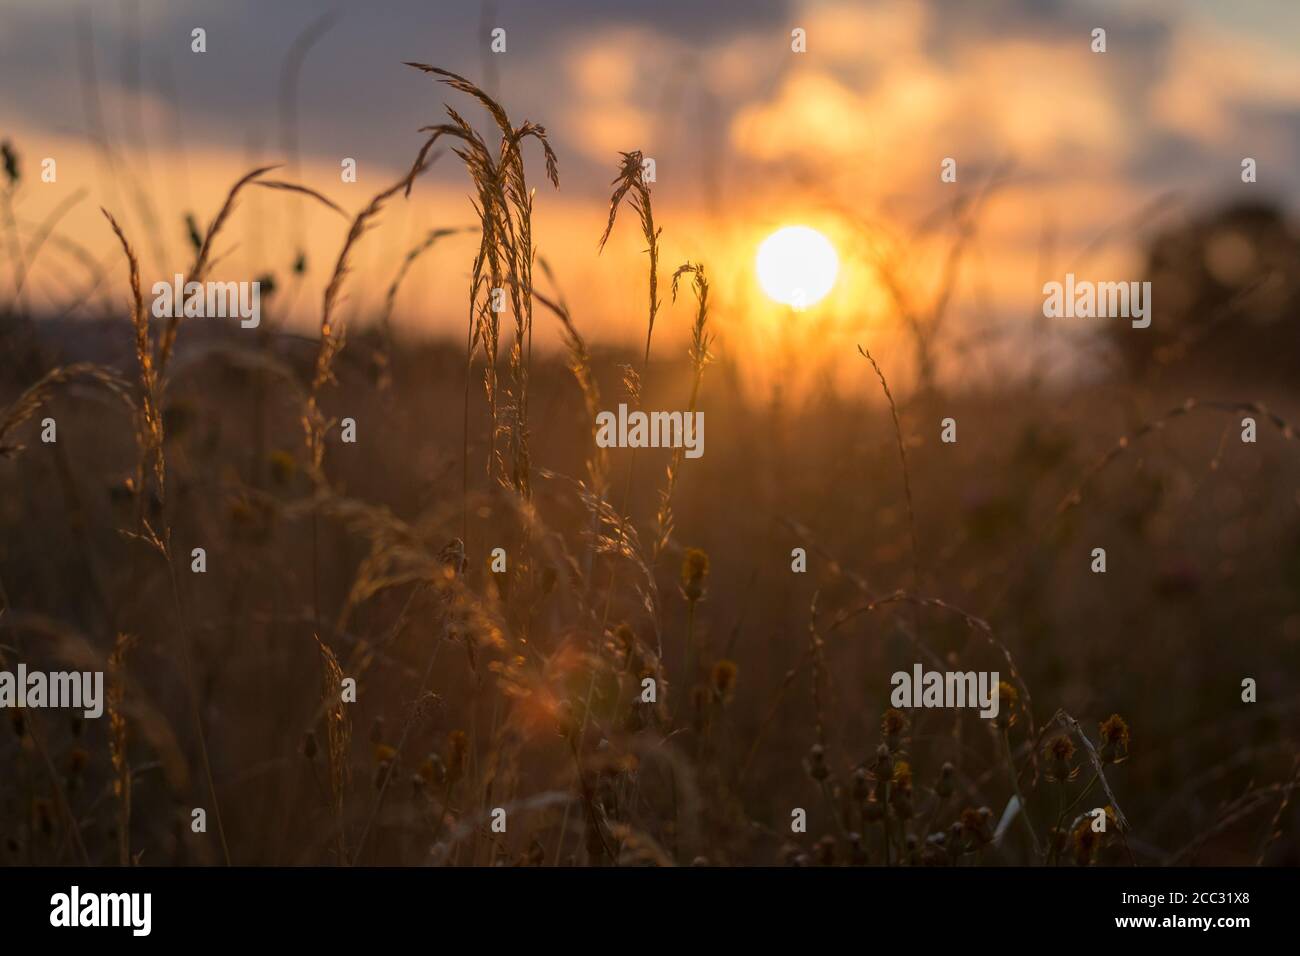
{"x":654,"y":678}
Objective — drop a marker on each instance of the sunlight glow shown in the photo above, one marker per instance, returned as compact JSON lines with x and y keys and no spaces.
{"x":796,"y":266}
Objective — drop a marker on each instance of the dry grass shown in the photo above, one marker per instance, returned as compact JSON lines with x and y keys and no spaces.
{"x":647,"y":682}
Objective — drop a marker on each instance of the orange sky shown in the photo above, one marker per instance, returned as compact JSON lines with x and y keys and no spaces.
{"x":747,"y":136}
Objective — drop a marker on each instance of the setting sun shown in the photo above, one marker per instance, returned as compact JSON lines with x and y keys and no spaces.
{"x":796,"y":266}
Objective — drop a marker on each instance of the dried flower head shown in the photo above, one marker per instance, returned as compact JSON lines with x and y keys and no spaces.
{"x":893,"y":724}
{"x":724,"y":680}
{"x":1059,"y":753}
{"x":1114,"y":739}
{"x":1085,"y":841}
{"x":903,"y":774}
{"x":695,"y":568}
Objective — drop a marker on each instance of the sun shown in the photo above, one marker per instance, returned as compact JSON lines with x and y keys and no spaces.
{"x":796,"y":266}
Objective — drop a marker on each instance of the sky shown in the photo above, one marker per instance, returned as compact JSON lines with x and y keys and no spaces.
{"x":1059,"y":145}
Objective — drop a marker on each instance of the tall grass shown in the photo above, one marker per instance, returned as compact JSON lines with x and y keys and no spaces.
{"x":620,"y":710}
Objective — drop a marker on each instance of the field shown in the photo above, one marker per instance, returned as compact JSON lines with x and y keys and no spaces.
{"x":648,"y":671}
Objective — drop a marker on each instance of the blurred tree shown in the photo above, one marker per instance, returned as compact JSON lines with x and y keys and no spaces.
{"x":1226,"y":295}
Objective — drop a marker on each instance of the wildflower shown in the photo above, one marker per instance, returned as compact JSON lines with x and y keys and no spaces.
{"x":892,"y":726}
{"x":695,"y":568}
{"x":1114,"y":739}
{"x":724,"y":680}
{"x":1059,"y":753}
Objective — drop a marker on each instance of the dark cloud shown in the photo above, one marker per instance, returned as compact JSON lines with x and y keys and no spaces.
{"x":355,"y":95}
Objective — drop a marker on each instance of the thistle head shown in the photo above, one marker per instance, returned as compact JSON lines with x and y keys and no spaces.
{"x":695,"y":568}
